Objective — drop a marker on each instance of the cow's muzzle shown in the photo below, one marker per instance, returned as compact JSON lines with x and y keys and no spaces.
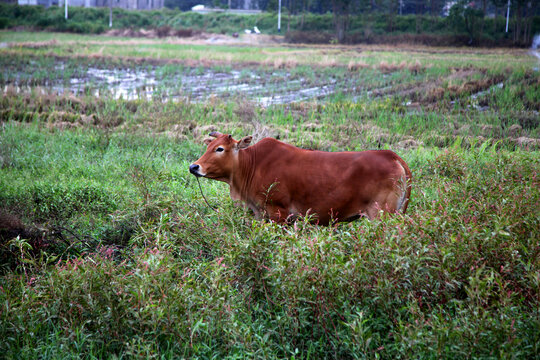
{"x":194,"y":169}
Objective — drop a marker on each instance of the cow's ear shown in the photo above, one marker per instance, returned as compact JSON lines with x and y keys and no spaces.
{"x":244,"y":143}
{"x":207,"y":141}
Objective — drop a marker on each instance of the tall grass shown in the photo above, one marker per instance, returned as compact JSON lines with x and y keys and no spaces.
{"x":108,"y":250}
{"x":150,"y":270}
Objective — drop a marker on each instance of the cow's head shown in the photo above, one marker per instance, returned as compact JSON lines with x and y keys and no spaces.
{"x":218,"y":160}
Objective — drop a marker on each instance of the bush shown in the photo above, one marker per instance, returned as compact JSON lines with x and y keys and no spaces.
{"x":51,"y":20}
{"x":4,"y":22}
{"x":308,"y":37}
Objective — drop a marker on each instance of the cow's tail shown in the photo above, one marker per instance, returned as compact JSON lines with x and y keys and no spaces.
{"x":404,"y":187}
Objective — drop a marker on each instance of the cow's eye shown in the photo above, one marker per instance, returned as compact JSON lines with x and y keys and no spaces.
{"x":219,"y":149}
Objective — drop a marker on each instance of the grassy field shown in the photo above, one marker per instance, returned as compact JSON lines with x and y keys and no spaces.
{"x":175,"y":50}
{"x":108,"y":249}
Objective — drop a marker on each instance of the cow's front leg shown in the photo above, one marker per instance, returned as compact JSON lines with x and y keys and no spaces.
{"x":277,"y":213}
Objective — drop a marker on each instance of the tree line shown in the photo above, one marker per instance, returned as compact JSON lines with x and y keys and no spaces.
{"x":465,"y":15}
{"x":310,"y":21}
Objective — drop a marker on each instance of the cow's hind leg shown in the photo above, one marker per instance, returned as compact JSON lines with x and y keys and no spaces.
{"x":385,"y":202}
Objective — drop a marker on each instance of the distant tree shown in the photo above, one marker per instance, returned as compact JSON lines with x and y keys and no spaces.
{"x":320,"y":6}
{"x":419,"y":11}
{"x":484,"y":8}
{"x":341,"y":10}
{"x":499,"y":5}
{"x":522,"y":13}
{"x":390,"y":8}
{"x":305,"y":6}
{"x":435,"y":7}
{"x":268,"y":5}
{"x":312,"y":6}
{"x":523,"y":10}
{"x":465,"y":17}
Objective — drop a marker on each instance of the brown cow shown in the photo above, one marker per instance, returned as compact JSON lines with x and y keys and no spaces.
{"x":282,"y":182}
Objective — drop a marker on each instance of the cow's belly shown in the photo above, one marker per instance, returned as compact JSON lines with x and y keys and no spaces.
{"x":334,"y":187}
{"x":346,"y":201}
{"x":331,"y":211}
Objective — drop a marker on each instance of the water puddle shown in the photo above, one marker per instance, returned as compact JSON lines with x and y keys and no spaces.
{"x":473,"y":98}
{"x":189,"y":84}
{"x":480,"y":94}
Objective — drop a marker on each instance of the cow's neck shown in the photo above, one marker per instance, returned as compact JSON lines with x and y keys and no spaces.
{"x":242,"y":174}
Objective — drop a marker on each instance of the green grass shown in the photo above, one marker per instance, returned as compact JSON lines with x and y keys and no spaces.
{"x":26,"y":36}
{"x":122,"y":258}
{"x":96,"y":47}
{"x":456,"y":276}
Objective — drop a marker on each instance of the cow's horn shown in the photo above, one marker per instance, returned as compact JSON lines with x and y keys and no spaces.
{"x":215,"y":134}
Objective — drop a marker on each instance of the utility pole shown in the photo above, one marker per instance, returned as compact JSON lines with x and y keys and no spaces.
{"x":279,"y":17}
{"x":65,"y":9}
{"x":110,"y":13}
{"x":507,"y":15}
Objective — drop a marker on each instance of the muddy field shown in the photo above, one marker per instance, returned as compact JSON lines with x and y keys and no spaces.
{"x":199,"y":84}
{"x":435,"y":86}
{"x":276,"y":83}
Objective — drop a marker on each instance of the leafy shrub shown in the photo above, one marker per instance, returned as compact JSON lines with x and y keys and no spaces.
{"x":51,"y":20}
{"x":54,"y":202}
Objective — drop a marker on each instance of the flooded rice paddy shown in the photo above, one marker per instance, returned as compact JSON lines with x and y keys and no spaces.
{"x":266,"y":87}
{"x":263,"y":85}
